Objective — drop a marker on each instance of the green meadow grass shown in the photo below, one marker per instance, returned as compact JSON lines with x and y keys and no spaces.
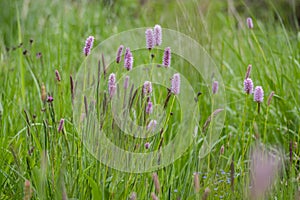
{"x":58,"y":165}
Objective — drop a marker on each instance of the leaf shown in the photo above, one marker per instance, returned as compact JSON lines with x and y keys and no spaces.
{"x":96,"y":192}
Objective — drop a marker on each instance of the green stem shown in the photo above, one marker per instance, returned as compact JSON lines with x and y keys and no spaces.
{"x":21,"y":59}
{"x":259,"y":46}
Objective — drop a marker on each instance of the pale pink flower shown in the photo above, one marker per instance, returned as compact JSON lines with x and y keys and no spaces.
{"x":88,"y":45}
{"x":167,"y":57}
{"x":149,"y":38}
{"x":157,"y":35}
{"x":249,"y":23}
{"x":119,"y":54}
{"x":175,"y":86}
{"x":147,"y":88}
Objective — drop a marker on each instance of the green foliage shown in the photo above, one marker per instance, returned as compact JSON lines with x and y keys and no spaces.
{"x":58,"y":165}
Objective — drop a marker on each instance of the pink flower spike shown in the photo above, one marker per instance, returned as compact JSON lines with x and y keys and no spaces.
{"x":258,"y":94}
{"x":119,"y":54}
{"x":149,"y":108}
{"x":128,"y":59}
{"x":167,"y":57}
{"x":249,"y":23}
{"x":149,"y":38}
{"x":175,"y":86}
{"x":157,"y":35}
{"x":112,"y":85}
{"x":57,"y":75}
{"x":248,"y":86}
{"x":88,"y":45}
{"x":61,"y":125}
{"x":147,"y":88}
{"x":215,"y":87}
{"x":147,"y":145}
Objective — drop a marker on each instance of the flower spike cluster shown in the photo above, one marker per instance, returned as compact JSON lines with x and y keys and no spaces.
{"x":88,"y":45}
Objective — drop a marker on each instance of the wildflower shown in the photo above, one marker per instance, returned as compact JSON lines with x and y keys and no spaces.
{"x":119,"y":53}
{"x":156,"y":182}
{"x":149,"y":108}
{"x":152,"y":125}
{"x":157,"y":35}
{"x":215,"y":87}
{"x":264,"y":166}
{"x":147,"y":88}
{"x":57,"y":75}
{"x":248,"y":86}
{"x":128,"y":59}
{"x":175,"y":86}
{"x":167,"y":57}
{"x":88,"y":45}
{"x":149,"y":38}
{"x":147,"y":145}
{"x":126,"y":82}
{"x":61,"y":125}
{"x":249,"y":23}
{"x":270,"y":97}
{"x":248,"y":71}
{"x":50,"y":99}
{"x":258,"y":94}
{"x":112,"y":84}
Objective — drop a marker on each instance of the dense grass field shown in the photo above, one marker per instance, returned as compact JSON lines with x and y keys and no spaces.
{"x":49,"y":147}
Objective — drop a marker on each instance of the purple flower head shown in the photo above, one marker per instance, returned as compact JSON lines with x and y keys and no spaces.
{"x":127,"y":51}
{"x":128,"y":59}
{"x":149,"y":108}
{"x":152,"y":125}
{"x":215,"y":87}
{"x":61,"y":125}
{"x":147,"y":88}
{"x":149,"y":38}
{"x":157,"y":35}
{"x":258,"y":94}
{"x":112,"y":85}
{"x":50,"y":99}
{"x":119,"y":53}
{"x":57,"y":75}
{"x":147,"y":145}
{"x":88,"y":45}
{"x":248,"y":86}
{"x":249,"y":23}
{"x":175,"y":86}
{"x":167,"y":57}
{"x":126,"y":82}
